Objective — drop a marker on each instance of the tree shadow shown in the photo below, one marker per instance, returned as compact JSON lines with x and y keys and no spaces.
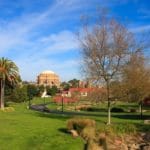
{"x":131,"y":116}
{"x":143,"y":127}
{"x":63,"y":130}
{"x":92,"y":109}
{"x":127,"y":106}
{"x":52,"y":115}
{"x":42,"y":108}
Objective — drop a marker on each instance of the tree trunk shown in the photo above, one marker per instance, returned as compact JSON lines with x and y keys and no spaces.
{"x":141,"y":111}
{"x":109,"y":106}
{"x":1,"y":94}
{"x":109,"y":113}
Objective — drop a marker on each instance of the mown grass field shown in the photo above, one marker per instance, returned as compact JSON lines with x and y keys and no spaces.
{"x":25,"y":129}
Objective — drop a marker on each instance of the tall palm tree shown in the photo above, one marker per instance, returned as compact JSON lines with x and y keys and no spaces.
{"x":8,"y":72}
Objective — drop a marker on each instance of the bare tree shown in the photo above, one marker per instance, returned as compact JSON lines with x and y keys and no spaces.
{"x":96,"y":95}
{"x":136,"y":79}
{"x":105,"y":46}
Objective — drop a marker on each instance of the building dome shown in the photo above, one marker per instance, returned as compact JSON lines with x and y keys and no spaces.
{"x":47,"y":72}
{"x":48,"y":78}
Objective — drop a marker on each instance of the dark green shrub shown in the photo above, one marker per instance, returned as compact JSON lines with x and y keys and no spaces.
{"x":52,"y":90}
{"x":132,"y":110}
{"x":115,"y":109}
{"x":19,"y":94}
{"x":32,"y":90}
{"x":90,"y":109}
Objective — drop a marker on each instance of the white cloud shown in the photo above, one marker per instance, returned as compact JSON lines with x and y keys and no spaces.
{"x":29,"y":50}
{"x":60,"y":42}
{"x":32,"y":42}
{"x":140,"y":29}
{"x":20,"y":30}
{"x":29,"y":68}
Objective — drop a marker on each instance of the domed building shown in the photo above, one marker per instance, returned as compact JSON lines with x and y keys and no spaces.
{"x":48,"y":78}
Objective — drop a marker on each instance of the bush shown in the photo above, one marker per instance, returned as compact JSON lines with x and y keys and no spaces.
{"x":32,"y":91}
{"x":8,"y":109}
{"x":125,"y":128}
{"x":88,"y":133}
{"x":115,"y":109}
{"x":79,"y":124}
{"x":132,"y":110}
{"x":19,"y":94}
{"x":52,"y":90}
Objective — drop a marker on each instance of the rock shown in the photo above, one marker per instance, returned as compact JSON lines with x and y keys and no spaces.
{"x":91,"y":145}
{"x":146,"y":148}
{"x":124,"y":147}
{"x":118,"y":142}
{"x":102,"y":135}
{"x":74,"y":133}
{"x":133,"y":147}
{"x":146,"y":137}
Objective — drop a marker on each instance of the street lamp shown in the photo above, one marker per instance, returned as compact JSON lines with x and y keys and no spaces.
{"x":45,"y":84}
{"x":29,"y":101}
{"x":62,"y":102}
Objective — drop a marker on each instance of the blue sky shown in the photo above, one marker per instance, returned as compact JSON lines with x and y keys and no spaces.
{"x":39,"y":35}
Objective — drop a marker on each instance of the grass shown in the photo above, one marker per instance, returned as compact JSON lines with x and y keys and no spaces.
{"x":26,"y":129}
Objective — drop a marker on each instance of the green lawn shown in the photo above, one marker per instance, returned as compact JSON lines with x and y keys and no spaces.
{"x":25,"y":129}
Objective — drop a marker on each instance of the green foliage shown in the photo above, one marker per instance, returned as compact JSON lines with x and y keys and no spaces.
{"x":32,"y":91}
{"x":65,"y":86}
{"x":133,"y":110}
{"x":74,"y":83}
{"x":40,"y":90}
{"x":8,"y":92}
{"x":19,"y":94}
{"x":9,"y":72}
{"x":116,"y":109}
{"x":52,"y":90}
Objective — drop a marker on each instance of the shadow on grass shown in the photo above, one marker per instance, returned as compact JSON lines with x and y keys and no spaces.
{"x":44,"y":109}
{"x":143,"y":127}
{"x":52,"y":116}
{"x":63,"y":130}
{"x":67,"y":115}
{"x":131,"y":116}
{"x":93,"y":109}
{"x":127,"y":106}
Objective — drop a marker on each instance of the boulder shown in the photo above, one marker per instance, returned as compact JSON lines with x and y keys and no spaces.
{"x":74,"y":133}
